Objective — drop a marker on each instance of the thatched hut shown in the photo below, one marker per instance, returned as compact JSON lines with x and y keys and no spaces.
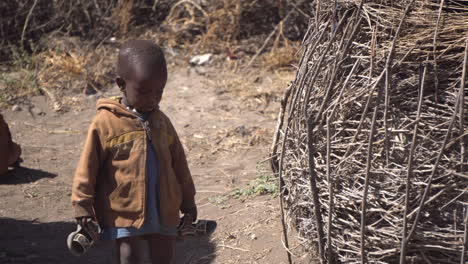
{"x":371,"y":141}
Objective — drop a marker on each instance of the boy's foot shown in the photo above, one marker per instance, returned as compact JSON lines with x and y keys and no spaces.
{"x":199,"y":228}
{"x":17,"y":163}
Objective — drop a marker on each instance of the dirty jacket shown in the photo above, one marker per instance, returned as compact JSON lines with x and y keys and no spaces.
{"x":110,"y":180}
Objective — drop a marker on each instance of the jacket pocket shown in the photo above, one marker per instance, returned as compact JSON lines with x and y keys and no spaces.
{"x":123,"y":199}
{"x":122,"y":190}
{"x":122,"y":146}
{"x":122,"y":151}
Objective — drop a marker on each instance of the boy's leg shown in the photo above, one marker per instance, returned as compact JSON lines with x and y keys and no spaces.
{"x":162,"y":248}
{"x":130,"y":250}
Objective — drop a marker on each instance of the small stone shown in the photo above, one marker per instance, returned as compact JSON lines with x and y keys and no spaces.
{"x":258,"y":79}
{"x":37,"y":111}
{"x":93,"y":96}
{"x":253,"y":237}
{"x":201,"y":71}
{"x":16,"y":108}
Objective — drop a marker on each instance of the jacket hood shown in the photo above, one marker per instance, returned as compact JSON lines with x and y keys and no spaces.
{"x":114,"y":105}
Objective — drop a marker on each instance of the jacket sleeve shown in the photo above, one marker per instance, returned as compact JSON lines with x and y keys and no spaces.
{"x":182,"y":172}
{"x":84,"y":181}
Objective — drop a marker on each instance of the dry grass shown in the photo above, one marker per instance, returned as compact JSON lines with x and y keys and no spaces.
{"x":257,"y":90}
{"x":212,"y":28}
{"x":221,"y":25}
{"x":283,"y":53}
{"x":71,"y":50}
{"x":122,"y":15}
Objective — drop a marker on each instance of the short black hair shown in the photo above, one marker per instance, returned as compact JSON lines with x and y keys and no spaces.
{"x":143,"y":56}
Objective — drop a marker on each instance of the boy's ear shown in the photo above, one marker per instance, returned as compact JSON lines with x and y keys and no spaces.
{"x":121,"y":83}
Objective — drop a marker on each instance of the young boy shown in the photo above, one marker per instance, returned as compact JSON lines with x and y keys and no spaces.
{"x":132,"y":177}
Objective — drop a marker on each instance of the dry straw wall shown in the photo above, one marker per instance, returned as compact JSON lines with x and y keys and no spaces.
{"x":371,"y":141}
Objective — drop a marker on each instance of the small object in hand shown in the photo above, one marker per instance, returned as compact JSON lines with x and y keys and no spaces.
{"x":82,"y":239}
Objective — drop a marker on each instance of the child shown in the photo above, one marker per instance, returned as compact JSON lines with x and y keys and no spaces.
{"x":10,"y":152}
{"x":132,"y":177}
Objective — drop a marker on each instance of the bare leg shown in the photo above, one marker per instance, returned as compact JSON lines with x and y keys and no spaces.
{"x":162,"y":248}
{"x":130,"y":250}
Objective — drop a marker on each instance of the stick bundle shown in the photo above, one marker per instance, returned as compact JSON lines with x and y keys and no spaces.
{"x":383,"y":83}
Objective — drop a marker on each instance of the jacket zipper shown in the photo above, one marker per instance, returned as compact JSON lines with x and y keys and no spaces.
{"x":147,"y":128}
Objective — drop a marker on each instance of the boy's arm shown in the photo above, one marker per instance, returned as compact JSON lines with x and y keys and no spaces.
{"x":84,"y":181}
{"x":182,"y":172}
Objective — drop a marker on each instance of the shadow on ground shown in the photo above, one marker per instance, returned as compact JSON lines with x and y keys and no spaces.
{"x":44,"y":243}
{"x":22,"y":175}
{"x":33,"y":242}
{"x":195,"y":251}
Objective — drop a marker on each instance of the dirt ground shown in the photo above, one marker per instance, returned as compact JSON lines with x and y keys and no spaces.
{"x":226,"y":135}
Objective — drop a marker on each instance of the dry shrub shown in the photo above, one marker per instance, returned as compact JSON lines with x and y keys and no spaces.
{"x":59,"y":72}
{"x":92,"y":20}
{"x":64,"y":63}
{"x":122,"y":15}
{"x":196,"y":26}
{"x":199,"y":25}
{"x":283,"y":52}
{"x":208,"y":30}
{"x":70,"y":72}
{"x":214,"y":26}
{"x":223,"y":27}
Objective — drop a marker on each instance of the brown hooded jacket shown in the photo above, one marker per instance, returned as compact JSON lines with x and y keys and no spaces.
{"x":110,"y":180}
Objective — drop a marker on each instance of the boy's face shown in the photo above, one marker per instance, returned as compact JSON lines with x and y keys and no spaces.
{"x":143,"y":92}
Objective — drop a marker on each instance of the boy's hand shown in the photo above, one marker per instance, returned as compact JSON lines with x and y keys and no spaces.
{"x":89,"y":225}
{"x":192,"y":211}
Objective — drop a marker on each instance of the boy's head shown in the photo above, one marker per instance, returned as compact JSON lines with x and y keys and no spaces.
{"x":142,"y":74}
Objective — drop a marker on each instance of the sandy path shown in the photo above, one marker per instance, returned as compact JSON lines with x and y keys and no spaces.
{"x":222,"y":141}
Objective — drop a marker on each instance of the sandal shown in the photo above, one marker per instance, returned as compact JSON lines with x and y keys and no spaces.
{"x":200,"y":228}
